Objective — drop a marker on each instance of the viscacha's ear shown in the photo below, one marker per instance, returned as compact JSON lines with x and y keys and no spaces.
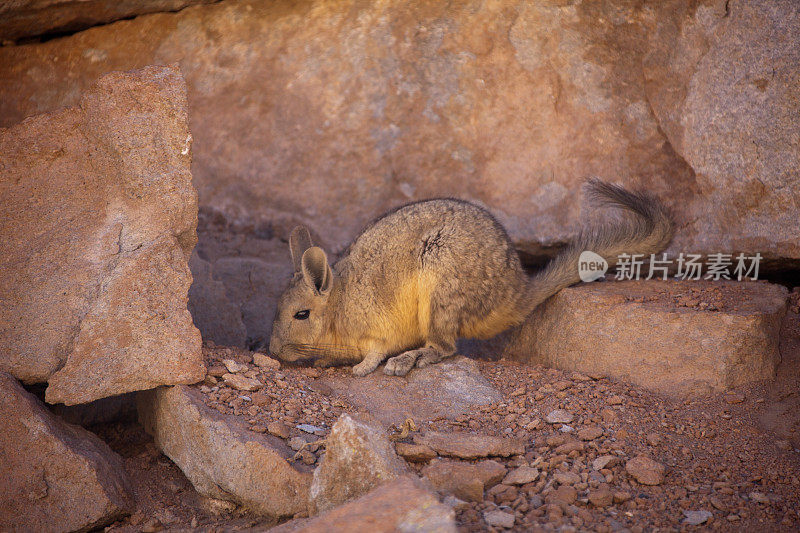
{"x":299,"y":242}
{"x":316,"y":272}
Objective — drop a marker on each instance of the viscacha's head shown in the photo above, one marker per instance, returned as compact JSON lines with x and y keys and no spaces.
{"x":300,"y":320}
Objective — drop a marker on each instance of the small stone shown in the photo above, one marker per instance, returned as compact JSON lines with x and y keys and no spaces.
{"x":783,"y":444}
{"x":234,"y":367}
{"x":590,"y":433}
{"x":466,"y":481}
{"x":565,"y":493}
{"x":559,"y":416}
{"x":695,"y":518}
{"x":645,"y":470}
{"x":242,"y":383}
{"x":621,"y":496}
{"x":216,"y":370}
{"x":279,"y":429}
{"x":297,"y":443}
{"x":264,"y":361}
{"x":566,"y":429}
{"x":602,"y":497}
{"x":569,"y":447}
{"x":653,"y":439}
{"x":615,"y":400}
{"x":759,"y":497}
{"x":604,"y":461}
{"x":567,"y":478}
{"x":307,"y":457}
{"x":414,"y":453}
{"x":733,"y":397}
{"x":499,"y":519}
{"x":309,"y":428}
{"x":521,"y":476}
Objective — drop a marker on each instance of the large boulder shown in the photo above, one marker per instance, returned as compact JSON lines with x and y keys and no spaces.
{"x":221,"y":457}
{"x":723,"y":78}
{"x":299,"y":109}
{"x":97,"y":221}
{"x":680,"y":338}
{"x":31,"y":18}
{"x":54,"y":476}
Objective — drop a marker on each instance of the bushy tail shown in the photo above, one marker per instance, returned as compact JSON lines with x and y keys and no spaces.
{"x":647,"y":231}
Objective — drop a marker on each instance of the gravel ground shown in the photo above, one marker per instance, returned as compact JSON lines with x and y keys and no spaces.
{"x":719,"y":466}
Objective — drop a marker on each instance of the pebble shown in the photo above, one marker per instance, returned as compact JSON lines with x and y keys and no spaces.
{"x":521,"y":476}
{"x":604,"y":461}
{"x":567,"y":478}
{"x":601,"y":497}
{"x":234,"y":367}
{"x":559,"y":416}
{"x":242,"y":383}
{"x":279,"y":429}
{"x":308,"y":428}
{"x":499,"y":519}
{"x":296,"y":443}
{"x":645,"y":470}
{"x":590,"y":433}
{"x":695,"y":518}
{"x":264,"y":361}
{"x":759,"y":497}
{"x":615,"y":400}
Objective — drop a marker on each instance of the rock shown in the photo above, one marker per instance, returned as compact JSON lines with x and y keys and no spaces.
{"x":397,"y":505}
{"x":214,"y":313}
{"x":590,"y":433}
{"x":264,"y":361}
{"x":104,"y":307}
{"x":648,"y":340}
{"x":566,"y":478}
{"x":581,"y":88}
{"x":569,"y":447}
{"x":279,"y":429}
{"x":242,"y":383}
{"x":220,"y":456}
{"x":565,"y":494}
{"x":297,"y":443}
{"x":559,"y":416}
{"x":54,"y":476}
{"x":466,"y":481}
{"x":724,"y":87}
{"x":759,"y":497}
{"x":358,"y":458}
{"x":695,"y":518}
{"x":234,"y":367}
{"x":447,"y":389}
{"x":31,"y":18}
{"x":645,"y":470}
{"x":469,"y":445}
{"x":499,"y":519}
{"x":602,"y":497}
{"x":604,"y":461}
{"x":521,"y":475}
{"x":415,"y":453}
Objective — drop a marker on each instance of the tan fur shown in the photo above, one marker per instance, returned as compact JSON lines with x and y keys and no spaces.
{"x":421,"y":276}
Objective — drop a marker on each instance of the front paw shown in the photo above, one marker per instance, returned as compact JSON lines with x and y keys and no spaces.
{"x":363,"y":368}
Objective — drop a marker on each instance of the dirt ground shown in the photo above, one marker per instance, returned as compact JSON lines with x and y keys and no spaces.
{"x":735,"y":455}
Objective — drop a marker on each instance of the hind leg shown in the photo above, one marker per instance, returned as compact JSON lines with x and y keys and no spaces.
{"x":439,"y":346}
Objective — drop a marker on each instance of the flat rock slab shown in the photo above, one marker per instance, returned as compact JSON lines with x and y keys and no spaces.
{"x":97,"y":221}
{"x":446,"y":390}
{"x":682,"y":338}
{"x":358,"y":458}
{"x":464,"y":480}
{"x":54,"y":476}
{"x":220,"y":456}
{"x":399,"y":505}
{"x":469,"y":445}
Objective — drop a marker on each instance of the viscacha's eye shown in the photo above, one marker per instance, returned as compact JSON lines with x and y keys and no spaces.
{"x":302,"y":315}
